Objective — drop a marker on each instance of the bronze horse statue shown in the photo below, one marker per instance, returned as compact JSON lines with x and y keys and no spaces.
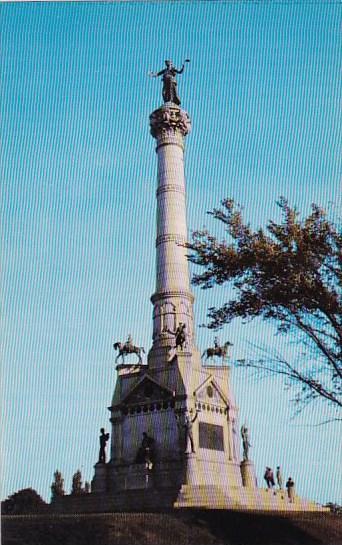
{"x":127,"y":348}
{"x":220,"y":351}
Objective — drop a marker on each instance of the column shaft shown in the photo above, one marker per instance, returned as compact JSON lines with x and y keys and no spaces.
{"x":172,"y":299}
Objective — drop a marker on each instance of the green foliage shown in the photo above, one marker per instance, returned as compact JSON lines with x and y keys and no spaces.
{"x":77,"y":489}
{"x":77,"y":485}
{"x":26,"y":501}
{"x":289,"y":273}
{"x":57,"y":487}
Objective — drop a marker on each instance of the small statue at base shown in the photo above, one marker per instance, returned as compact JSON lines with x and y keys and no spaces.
{"x":245,"y":442}
{"x":146,"y":452}
{"x":188,"y":425}
{"x":103,"y":440}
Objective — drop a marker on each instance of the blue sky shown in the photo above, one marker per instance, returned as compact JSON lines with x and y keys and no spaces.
{"x":78,"y":204}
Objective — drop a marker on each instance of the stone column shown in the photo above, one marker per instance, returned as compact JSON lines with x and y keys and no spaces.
{"x":172,"y":299}
{"x":234,"y":438}
{"x":116,"y":439}
{"x":230,"y":439}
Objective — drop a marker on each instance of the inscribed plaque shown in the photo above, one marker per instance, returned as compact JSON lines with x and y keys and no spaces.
{"x":211,"y":436}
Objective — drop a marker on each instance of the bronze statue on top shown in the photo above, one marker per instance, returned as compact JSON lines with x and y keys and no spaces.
{"x":217,"y":350}
{"x":128,"y":348}
{"x":170,"y":93}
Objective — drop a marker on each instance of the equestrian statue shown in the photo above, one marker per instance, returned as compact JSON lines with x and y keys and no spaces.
{"x":128,"y":348}
{"x":217,"y":350}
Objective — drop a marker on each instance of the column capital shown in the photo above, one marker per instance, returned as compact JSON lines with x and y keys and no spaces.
{"x":169,"y":121}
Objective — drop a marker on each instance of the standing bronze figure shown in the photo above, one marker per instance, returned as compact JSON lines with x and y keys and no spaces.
{"x":170,"y":93}
{"x":103,"y":440}
{"x":180,"y":335}
{"x":245,"y":442}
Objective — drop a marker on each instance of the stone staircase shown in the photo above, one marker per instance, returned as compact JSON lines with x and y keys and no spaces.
{"x":255,"y":499}
{"x":141,"y":500}
{"x":188,"y":496}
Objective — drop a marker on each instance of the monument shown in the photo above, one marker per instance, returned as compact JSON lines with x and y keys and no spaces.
{"x":186,"y":408}
{"x":175,"y":439}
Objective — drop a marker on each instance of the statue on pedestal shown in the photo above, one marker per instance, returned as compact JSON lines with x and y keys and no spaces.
{"x":180,"y":335}
{"x":245,"y":442}
{"x":146,"y":453}
{"x":170,"y":93}
{"x":103,"y":440}
{"x":128,"y":348}
{"x":188,"y":425}
{"x":217,"y":350}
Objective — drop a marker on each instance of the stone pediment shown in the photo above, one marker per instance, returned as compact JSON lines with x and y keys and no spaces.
{"x":210,"y":392}
{"x":147,"y":389}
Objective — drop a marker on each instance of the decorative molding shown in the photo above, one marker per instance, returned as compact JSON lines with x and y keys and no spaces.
{"x":169,"y":187}
{"x":169,"y":121}
{"x":209,"y":407}
{"x":169,"y":294}
{"x":210,"y":380}
{"x":168,"y":237}
{"x":151,"y":406}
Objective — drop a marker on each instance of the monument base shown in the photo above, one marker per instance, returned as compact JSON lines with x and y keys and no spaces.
{"x":178,"y":484}
{"x":242,"y":499}
{"x":191,"y":472}
{"x":248,"y":476}
{"x":155,"y":499}
{"x":99,"y":482}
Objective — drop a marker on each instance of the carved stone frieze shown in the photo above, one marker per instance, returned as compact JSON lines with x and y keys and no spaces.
{"x":169,"y":120}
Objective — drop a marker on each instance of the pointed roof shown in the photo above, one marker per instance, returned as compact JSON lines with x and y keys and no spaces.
{"x":138,"y":385}
{"x":211,"y":380}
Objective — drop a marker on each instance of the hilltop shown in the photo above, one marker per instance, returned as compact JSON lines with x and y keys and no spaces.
{"x":183,"y":527}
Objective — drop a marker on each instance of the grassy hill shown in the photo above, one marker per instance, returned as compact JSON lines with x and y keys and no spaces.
{"x":192,"y":527}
